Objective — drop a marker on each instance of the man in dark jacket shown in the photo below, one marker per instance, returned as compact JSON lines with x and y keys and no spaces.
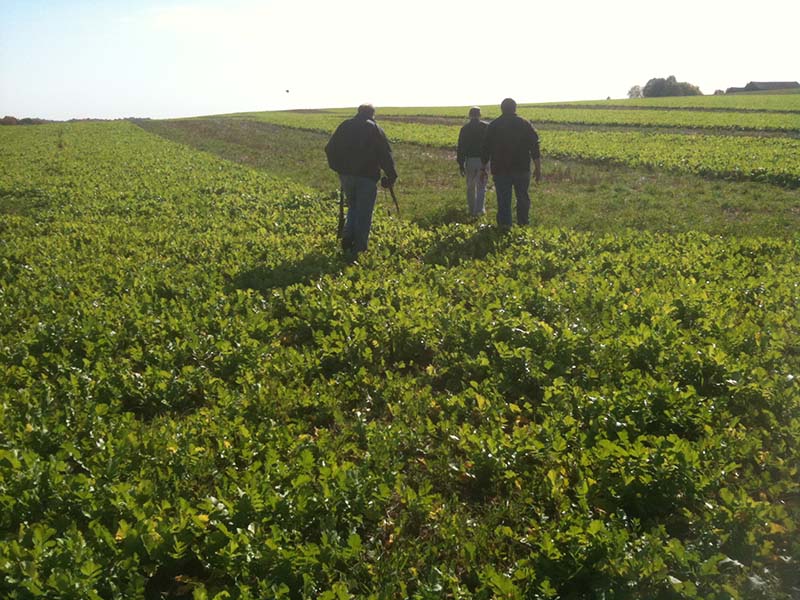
{"x":468,"y":155}
{"x":357,"y":151}
{"x":511,"y":142}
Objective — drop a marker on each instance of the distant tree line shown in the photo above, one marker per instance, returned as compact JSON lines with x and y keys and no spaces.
{"x":658,"y":87}
{"x":9,"y":120}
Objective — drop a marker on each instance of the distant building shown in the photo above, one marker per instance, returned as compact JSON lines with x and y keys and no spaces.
{"x":764,"y":86}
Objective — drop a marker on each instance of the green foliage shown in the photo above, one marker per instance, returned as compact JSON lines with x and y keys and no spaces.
{"x":658,"y":87}
{"x":572,"y":194}
{"x":784,"y":101}
{"x":772,"y":160}
{"x":750,"y":101}
{"x":624,"y":115}
{"x":198,"y":399}
{"x":762,"y":121}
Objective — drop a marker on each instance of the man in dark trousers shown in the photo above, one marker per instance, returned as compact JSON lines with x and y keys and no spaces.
{"x":357,"y":151}
{"x":468,"y":155}
{"x":511,"y":142}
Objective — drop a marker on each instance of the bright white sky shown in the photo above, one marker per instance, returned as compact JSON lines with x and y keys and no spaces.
{"x":114,"y":58}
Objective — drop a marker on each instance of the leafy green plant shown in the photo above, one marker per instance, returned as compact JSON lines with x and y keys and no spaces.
{"x":770,"y":160}
{"x":464,"y":413}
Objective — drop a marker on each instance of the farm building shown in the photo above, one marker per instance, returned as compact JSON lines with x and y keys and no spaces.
{"x":764,"y":86}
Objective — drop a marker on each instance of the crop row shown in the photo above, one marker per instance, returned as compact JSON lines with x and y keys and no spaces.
{"x":198,"y":397}
{"x":773,"y":160}
{"x":736,"y":102}
{"x":747,"y":121}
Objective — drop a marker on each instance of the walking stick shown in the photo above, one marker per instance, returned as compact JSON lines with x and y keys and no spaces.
{"x":386,"y":185}
{"x":396,"y":205}
{"x":340,"y":226}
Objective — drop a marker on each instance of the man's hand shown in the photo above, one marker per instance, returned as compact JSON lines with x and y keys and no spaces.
{"x":462,"y":170}
{"x":537,"y":175}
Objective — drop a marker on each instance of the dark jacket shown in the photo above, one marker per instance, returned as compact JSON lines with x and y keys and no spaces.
{"x":511,"y":142}
{"x":359,"y":147}
{"x":470,"y":140}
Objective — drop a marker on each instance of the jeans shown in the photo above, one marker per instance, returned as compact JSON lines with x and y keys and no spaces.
{"x":476,"y":186}
{"x":503,"y":184}
{"x":360,"y":193}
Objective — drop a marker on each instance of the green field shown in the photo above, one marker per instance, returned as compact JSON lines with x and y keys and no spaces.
{"x":773,"y":160}
{"x":572,"y":194}
{"x":756,"y":101}
{"x":621,"y":116}
{"x":199,"y":398}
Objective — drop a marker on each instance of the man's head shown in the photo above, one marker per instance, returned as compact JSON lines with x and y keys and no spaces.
{"x":475,"y":112}
{"x":508,"y":107}
{"x":366,"y":110}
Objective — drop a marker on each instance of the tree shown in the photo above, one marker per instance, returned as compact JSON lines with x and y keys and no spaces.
{"x":655,"y":88}
{"x":635,"y":92}
{"x":9,"y":120}
{"x":659,"y":87}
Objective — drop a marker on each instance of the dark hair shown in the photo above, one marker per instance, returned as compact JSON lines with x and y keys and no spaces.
{"x":474,"y":112}
{"x":367,"y":110}
{"x":508,"y":106}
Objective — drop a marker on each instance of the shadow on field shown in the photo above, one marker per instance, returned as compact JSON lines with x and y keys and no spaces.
{"x":23,"y":201}
{"x":445,"y":216}
{"x":311,"y":266}
{"x":452,"y":251}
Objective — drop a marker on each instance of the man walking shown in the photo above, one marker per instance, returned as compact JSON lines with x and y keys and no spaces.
{"x":468,"y":155}
{"x":357,"y":151}
{"x":511,"y":142}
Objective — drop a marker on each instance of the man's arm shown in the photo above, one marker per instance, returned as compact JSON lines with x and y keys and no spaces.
{"x":536,"y":156}
{"x":460,"y":155}
{"x":385,"y":158}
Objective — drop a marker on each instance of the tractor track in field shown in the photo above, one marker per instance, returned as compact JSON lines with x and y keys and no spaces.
{"x":561,"y":126}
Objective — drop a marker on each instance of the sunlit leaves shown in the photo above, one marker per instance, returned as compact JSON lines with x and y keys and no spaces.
{"x":198,"y":397}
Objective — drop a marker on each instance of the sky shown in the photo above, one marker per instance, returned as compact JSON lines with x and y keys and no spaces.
{"x":172,"y":58}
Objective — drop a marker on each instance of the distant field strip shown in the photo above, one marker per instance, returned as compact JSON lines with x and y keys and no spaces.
{"x":637,"y":117}
{"x":756,"y":121}
{"x":774,"y":160}
{"x":787,"y":102}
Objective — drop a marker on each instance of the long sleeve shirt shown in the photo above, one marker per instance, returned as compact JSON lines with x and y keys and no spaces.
{"x":360,"y":147}
{"x":511,"y":142}
{"x":470,"y":140}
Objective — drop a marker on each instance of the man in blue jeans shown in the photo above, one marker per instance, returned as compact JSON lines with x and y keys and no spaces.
{"x":511,"y":143}
{"x":357,"y":151}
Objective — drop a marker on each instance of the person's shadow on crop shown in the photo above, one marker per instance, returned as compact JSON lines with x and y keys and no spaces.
{"x":312,"y":266}
{"x":453,"y":250}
